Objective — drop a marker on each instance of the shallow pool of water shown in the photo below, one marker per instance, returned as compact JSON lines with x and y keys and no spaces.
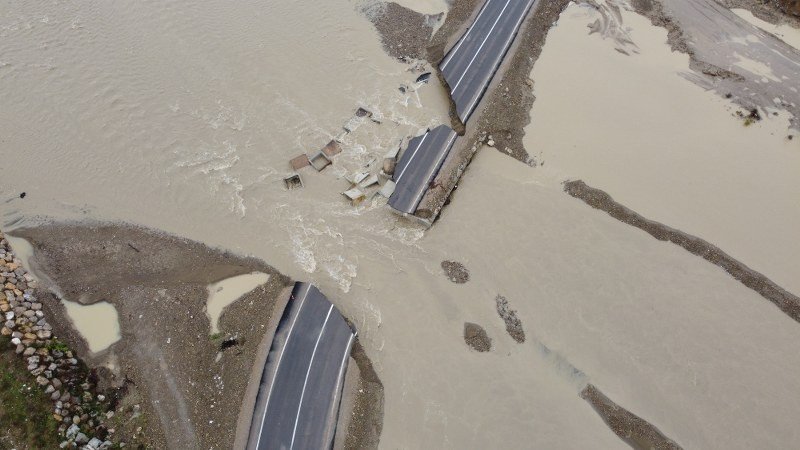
{"x":227,"y":291}
{"x":97,"y":323}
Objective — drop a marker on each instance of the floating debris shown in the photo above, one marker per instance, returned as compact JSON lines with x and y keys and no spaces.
{"x":370,"y":181}
{"x":293,"y":181}
{"x":355,"y":196}
{"x":388,"y":189}
{"x":320,"y":161}
{"x":358,"y":177}
{"x":332,"y":149}
{"x":299,"y":161}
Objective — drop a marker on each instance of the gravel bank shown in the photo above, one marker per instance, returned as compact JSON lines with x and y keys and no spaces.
{"x":184,"y":387}
{"x":786,"y":301}
{"x":476,"y":338}
{"x":366,"y":424}
{"x":635,"y":431}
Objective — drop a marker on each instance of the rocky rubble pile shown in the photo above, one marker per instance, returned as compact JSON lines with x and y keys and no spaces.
{"x":54,"y":367}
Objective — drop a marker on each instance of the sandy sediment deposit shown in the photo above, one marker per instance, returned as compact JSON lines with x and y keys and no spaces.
{"x":730,"y":55}
{"x":670,"y":151}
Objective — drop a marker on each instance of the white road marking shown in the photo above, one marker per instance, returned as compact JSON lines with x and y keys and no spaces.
{"x":341,"y":368}
{"x":468,"y":111}
{"x":278,"y":365}
{"x":410,"y":158}
{"x":425,"y":186}
{"x":308,"y":372}
{"x":464,"y":38}
{"x":477,"y":52}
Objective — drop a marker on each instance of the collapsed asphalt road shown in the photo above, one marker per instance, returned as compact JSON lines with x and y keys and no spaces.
{"x":418,"y":165}
{"x":468,"y":69}
{"x":300,"y":389}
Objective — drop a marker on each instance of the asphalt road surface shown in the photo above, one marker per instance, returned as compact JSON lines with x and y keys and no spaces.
{"x":473,"y":61}
{"x":418,"y":166}
{"x":297,"y":405}
{"x":468,"y":68}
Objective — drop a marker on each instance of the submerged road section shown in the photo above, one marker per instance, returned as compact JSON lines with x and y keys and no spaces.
{"x":297,"y":406}
{"x":468,"y":69}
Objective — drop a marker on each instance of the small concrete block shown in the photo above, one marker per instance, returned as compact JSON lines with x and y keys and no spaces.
{"x":361,"y":112}
{"x":358,"y":177}
{"x":370,"y":181}
{"x":388,"y":189}
{"x":320,"y":161}
{"x":293,"y":181}
{"x":355,"y":195}
{"x":332,"y":149}
{"x":300,"y":161}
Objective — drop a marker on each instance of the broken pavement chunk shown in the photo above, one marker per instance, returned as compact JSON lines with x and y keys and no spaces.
{"x":299,"y":161}
{"x":388,"y":189}
{"x":370,"y":181}
{"x":361,"y":112}
{"x":355,"y":195}
{"x":332,"y":149}
{"x":358,"y":177}
{"x":293,"y":181}
{"x":320,"y":161}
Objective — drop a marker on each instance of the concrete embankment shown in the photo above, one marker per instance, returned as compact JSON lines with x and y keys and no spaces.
{"x":80,"y":411}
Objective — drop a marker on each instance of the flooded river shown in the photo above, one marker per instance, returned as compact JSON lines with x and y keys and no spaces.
{"x":182,"y":116}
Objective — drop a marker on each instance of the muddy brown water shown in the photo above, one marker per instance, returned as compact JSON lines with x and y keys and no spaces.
{"x":183,"y":117}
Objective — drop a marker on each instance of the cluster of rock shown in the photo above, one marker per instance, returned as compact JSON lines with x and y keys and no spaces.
{"x":790,"y":7}
{"x":55,"y":368}
{"x":509,"y":316}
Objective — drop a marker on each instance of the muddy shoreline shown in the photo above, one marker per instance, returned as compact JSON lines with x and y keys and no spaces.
{"x":165,"y":361}
{"x":185,"y":384}
{"x":366,"y":423}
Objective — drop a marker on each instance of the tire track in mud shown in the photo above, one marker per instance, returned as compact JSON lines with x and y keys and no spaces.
{"x":598,"y":199}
